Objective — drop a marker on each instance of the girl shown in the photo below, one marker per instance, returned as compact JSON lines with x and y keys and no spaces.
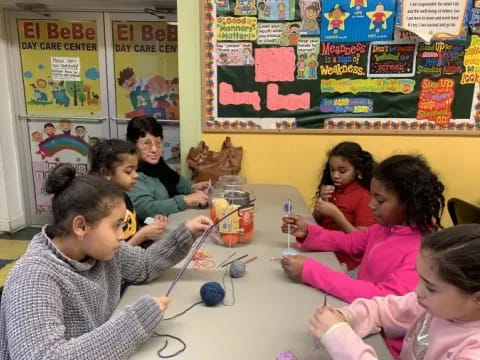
{"x":440,"y":320}
{"x":344,"y":192}
{"x":407,"y":202}
{"x":159,"y":189}
{"x":60,"y":295}
{"x":117,"y":161}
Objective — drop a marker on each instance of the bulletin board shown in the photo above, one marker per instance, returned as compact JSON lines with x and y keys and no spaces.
{"x":341,"y":66}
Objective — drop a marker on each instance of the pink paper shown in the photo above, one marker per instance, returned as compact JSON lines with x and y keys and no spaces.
{"x":275,"y":101}
{"x":274,"y":64}
{"x":229,"y":97}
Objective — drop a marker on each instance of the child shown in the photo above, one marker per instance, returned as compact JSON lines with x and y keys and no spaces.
{"x":344,"y":193}
{"x":407,"y":200}
{"x":440,"y":320}
{"x":60,"y":296}
{"x":117,"y":161}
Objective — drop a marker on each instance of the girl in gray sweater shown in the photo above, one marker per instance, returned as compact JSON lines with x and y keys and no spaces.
{"x":59,"y":298}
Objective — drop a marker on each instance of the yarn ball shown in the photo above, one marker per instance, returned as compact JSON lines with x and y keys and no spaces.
{"x":237,"y":269}
{"x":287,"y":355}
{"x":212,"y":293}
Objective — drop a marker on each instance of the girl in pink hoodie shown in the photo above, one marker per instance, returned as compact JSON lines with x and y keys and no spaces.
{"x":440,"y":320}
{"x":407,"y":200}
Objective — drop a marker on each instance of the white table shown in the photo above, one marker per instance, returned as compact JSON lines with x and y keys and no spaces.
{"x":271,"y":312}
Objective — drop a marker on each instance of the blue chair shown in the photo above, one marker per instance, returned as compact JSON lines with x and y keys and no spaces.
{"x":462,"y":212}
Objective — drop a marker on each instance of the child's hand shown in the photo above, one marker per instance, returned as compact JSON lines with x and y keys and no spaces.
{"x":293,"y":265}
{"x":153,"y":231}
{"x":326,"y":192}
{"x":323,"y":319}
{"x":198,"y":198}
{"x":162,"y":301}
{"x":326,"y":208}
{"x":161,"y":219}
{"x":200,"y":186}
{"x":198,"y":224}
{"x":298,"y":226}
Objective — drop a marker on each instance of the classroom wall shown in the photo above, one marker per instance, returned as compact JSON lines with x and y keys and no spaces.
{"x":298,"y":159}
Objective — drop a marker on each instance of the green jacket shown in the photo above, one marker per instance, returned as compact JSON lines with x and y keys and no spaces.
{"x":150,"y":197}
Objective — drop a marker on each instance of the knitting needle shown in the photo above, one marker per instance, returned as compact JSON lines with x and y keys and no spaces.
{"x":239,"y":258}
{"x":289,"y":211}
{"x":275,"y":259}
{"x":250,"y":260}
{"x":325,"y":300}
{"x":228,"y":258}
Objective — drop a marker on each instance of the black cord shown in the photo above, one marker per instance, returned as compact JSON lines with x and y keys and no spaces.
{"x":159,"y":352}
{"x":184,"y":311}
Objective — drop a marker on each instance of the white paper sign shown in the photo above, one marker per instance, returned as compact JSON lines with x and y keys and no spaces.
{"x":65,"y":68}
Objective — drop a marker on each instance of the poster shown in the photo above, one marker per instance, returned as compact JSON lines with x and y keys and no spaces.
{"x":357,"y":20}
{"x":54,"y":142}
{"x":146,"y":69}
{"x":60,"y":67}
{"x":392,"y":59}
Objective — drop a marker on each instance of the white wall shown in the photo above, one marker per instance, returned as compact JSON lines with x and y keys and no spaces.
{"x":12,"y":214}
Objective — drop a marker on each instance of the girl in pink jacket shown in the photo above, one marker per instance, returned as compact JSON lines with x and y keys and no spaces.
{"x":440,"y":320}
{"x":407,"y":200}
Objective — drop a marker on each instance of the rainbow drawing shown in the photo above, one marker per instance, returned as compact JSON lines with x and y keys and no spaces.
{"x":56,"y":143}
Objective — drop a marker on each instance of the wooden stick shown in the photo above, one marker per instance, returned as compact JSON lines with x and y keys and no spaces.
{"x":250,"y":260}
{"x":239,"y":258}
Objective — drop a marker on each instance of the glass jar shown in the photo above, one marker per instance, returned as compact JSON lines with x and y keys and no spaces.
{"x":229,"y":193}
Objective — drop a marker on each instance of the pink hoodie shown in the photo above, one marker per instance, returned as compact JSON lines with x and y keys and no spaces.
{"x":401,"y":315}
{"x":388,"y":261}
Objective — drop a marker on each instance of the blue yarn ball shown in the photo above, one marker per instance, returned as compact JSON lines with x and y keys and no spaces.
{"x":212,"y":293}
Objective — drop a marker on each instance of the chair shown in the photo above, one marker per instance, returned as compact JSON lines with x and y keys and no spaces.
{"x":462,"y":212}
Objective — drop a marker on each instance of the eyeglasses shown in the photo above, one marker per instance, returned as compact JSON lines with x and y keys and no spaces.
{"x":148,"y":144}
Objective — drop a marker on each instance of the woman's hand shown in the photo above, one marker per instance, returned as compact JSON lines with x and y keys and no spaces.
{"x":324,"y":319}
{"x":200,"y":186}
{"x":196,"y":199}
{"x":296,"y":224}
{"x":326,"y":208}
{"x":162,"y":302}
{"x":198,"y":224}
{"x":326,"y":192}
{"x":292,"y":266}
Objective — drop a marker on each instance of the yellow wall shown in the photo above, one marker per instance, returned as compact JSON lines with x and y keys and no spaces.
{"x":298,"y":159}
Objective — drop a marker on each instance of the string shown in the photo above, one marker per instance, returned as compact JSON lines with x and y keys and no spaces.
{"x":202,"y":239}
{"x":227,"y":271}
{"x":159,"y":352}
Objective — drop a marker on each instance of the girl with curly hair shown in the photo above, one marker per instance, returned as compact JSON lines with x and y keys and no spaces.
{"x":407,"y":201}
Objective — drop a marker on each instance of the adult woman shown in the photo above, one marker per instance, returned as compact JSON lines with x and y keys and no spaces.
{"x":159,"y":189}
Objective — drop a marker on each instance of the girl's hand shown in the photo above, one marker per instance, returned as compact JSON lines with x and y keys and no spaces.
{"x":198,"y":198}
{"x":326,"y":208}
{"x":298,"y":226}
{"x":198,"y":224}
{"x":323,"y":319}
{"x":326,"y":192}
{"x":161,"y":219}
{"x":153,"y":231}
{"x":200,"y":186}
{"x":162,"y":302}
{"x":293,"y":265}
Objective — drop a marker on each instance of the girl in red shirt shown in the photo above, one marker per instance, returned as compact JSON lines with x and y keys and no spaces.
{"x":343,"y":194}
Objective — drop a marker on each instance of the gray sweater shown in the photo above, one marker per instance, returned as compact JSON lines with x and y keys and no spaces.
{"x":54,"y":307}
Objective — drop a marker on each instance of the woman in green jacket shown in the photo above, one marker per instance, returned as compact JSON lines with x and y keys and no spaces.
{"x":159,"y":189}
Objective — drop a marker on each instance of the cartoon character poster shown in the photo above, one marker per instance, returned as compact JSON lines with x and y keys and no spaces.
{"x":55,"y":142}
{"x":60,"y":67}
{"x":275,"y":10}
{"x":309,"y":13}
{"x":146,"y":69}
{"x":357,"y":20}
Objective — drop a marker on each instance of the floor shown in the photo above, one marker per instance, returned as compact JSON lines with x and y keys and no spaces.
{"x":12,"y":246}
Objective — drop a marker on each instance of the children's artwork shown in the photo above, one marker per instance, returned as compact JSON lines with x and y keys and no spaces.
{"x":435,"y":101}
{"x":307,"y":54}
{"x":222,"y":5}
{"x":146,"y":69}
{"x":60,"y":71}
{"x":309,"y":13}
{"x":441,"y":19}
{"x":234,"y":54}
{"x":392,"y":59}
{"x":245,"y":7}
{"x":236,"y":29}
{"x":471,"y":61}
{"x":440,"y":58}
{"x":283,"y":34}
{"x":362,"y":20}
{"x":474,"y":21}
{"x":275,"y":10}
